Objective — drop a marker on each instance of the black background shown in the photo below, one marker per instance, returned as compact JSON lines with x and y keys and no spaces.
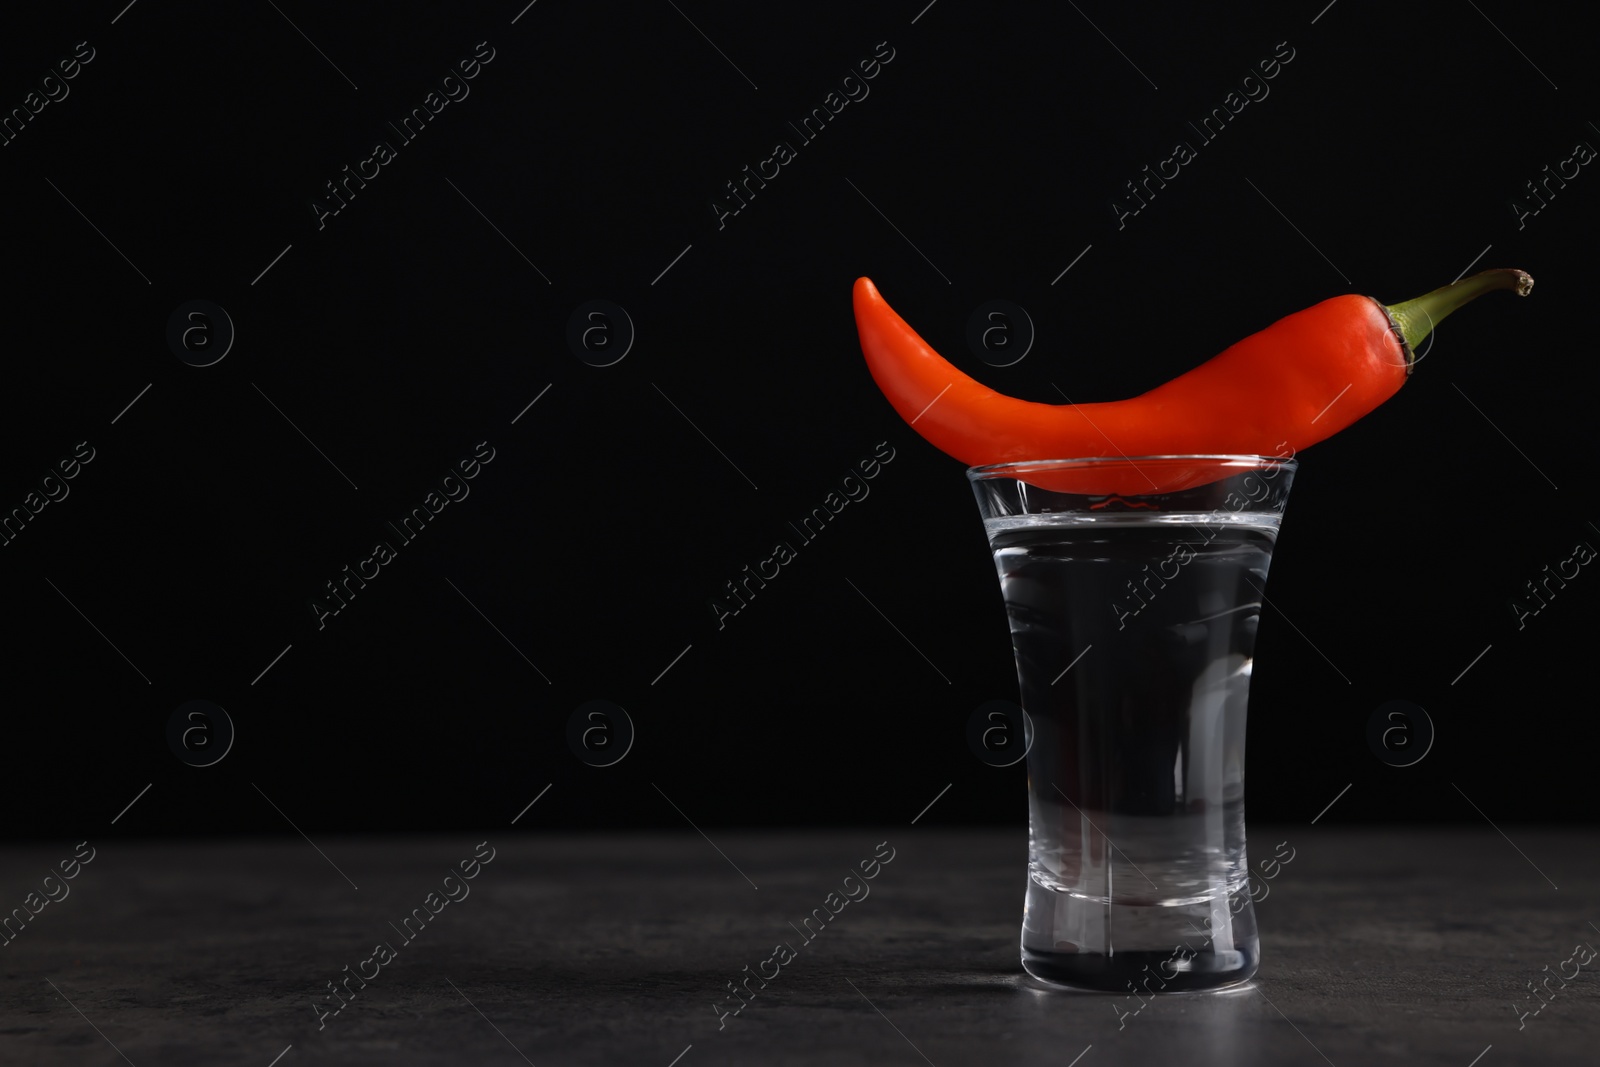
{"x":414,"y":324}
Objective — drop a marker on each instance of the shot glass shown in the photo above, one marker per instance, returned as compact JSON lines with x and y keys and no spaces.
{"x":1133,"y":618}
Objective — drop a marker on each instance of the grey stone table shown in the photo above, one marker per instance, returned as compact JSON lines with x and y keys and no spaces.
{"x":1380,"y":946}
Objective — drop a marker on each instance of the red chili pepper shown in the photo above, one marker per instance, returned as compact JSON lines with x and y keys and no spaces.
{"x":1302,"y":379}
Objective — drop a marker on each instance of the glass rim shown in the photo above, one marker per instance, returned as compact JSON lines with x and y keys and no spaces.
{"x":997,"y":470}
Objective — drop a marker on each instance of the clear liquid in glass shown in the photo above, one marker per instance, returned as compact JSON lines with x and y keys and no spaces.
{"x":1134,"y":639}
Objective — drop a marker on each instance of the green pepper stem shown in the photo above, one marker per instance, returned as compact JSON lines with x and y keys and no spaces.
{"x":1417,"y":318}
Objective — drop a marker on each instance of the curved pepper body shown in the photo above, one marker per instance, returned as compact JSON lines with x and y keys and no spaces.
{"x":1303,"y":379}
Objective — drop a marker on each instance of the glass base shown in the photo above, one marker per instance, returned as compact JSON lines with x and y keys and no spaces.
{"x":1140,"y":949}
{"x":1143,"y":972}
